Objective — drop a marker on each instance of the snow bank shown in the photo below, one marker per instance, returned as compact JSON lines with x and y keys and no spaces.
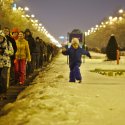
{"x":52,"y":100}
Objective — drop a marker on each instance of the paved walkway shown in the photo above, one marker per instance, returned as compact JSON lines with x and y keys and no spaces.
{"x":52,"y":100}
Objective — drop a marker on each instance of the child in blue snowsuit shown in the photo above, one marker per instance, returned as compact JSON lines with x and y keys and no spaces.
{"x":75,"y":54}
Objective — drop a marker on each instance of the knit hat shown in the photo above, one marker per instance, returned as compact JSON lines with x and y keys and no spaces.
{"x":75,"y":41}
{"x":2,"y":33}
{"x":15,"y":30}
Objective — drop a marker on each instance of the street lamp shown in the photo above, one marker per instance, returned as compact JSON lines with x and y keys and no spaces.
{"x":26,"y":9}
{"x":32,"y":15}
{"x":120,"y":11}
{"x":40,"y":24}
{"x":110,"y":17}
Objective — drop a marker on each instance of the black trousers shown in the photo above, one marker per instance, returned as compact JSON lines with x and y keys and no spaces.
{"x":4,"y":79}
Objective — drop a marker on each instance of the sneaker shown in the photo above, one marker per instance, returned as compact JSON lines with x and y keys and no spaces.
{"x":79,"y":81}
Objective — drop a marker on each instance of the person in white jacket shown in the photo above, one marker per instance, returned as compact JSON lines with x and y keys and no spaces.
{"x":6,"y":50}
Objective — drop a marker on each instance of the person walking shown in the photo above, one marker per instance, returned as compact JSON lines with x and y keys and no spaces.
{"x":11,"y":40}
{"x":21,"y":57}
{"x":37,"y":53}
{"x":32,"y":46}
{"x":75,"y":54}
{"x":6,"y":50}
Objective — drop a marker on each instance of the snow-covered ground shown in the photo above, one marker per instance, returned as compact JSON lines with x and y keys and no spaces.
{"x":52,"y":100}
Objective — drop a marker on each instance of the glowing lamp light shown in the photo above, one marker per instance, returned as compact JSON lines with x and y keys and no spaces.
{"x":32,"y":15}
{"x":120,"y":11}
{"x":61,"y":37}
{"x":26,"y":8}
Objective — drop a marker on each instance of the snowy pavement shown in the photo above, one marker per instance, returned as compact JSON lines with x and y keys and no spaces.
{"x":52,"y":100}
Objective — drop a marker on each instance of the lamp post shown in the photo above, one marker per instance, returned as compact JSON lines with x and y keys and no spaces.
{"x":84,"y":46}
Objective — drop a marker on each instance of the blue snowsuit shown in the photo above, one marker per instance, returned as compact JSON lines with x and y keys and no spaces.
{"x":75,"y":56}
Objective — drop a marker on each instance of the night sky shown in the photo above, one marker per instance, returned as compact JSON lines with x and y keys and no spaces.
{"x":62,"y":16}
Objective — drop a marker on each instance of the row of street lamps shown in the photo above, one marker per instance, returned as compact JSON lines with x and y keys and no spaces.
{"x":35,"y":23}
{"x":110,"y":21}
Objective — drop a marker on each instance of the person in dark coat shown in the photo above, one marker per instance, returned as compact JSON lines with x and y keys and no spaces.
{"x":75,"y":54}
{"x":37,"y":53}
{"x":49,"y":52}
{"x":32,"y":45}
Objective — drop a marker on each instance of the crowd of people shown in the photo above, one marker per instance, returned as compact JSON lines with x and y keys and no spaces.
{"x":20,"y":55}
